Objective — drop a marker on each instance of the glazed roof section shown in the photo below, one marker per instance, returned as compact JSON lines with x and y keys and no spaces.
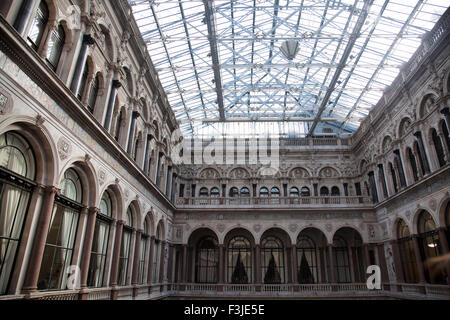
{"x":221,"y":65}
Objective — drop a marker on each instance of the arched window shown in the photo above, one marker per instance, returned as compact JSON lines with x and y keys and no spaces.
{"x":393,"y":176}
{"x":16,"y":160}
{"x":99,"y":249}
{"x":335,"y":192}
{"x":412,"y":161}
{"x":430,"y":246}
{"x":125,"y":248}
{"x":118,"y":125}
{"x":245,"y":196}
{"x":143,"y":259}
{"x":83,"y":82}
{"x":272,"y":260}
{"x":206,"y":260}
{"x":307,"y":270}
{"x":93,"y":93}
{"x":324,"y":192}
{"x":234,"y":193}
{"x":61,"y":234}
{"x":239,"y":261}
{"x":136,"y":147}
{"x":38,"y":25}
{"x":438,"y":147}
{"x":341,"y":260}
{"x":203,"y":193}
{"x":275,"y":195}
{"x":294,"y":194}
{"x":407,"y":255}
{"x":305,"y":192}
{"x":264,"y":193}
{"x":157,"y":255}
{"x":55,"y":46}
{"x":214,"y":193}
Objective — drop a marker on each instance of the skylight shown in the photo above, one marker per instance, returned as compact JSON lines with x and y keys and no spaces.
{"x":221,"y":65}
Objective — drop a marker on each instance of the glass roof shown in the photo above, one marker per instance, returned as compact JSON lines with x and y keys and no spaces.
{"x":221,"y":65}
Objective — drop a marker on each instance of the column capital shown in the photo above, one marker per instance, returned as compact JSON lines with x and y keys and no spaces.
{"x":52,"y":189}
{"x":116,"y":84}
{"x":94,"y":211}
{"x":120,"y":222}
{"x":141,"y":231}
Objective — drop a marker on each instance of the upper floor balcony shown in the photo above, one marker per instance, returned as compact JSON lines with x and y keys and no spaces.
{"x":279,"y":202}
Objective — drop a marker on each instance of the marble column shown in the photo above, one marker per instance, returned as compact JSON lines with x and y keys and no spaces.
{"x":258,"y":279}
{"x":137,"y":255}
{"x":87,"y":245}
{"x":37,"y":252}
{"x":162,"y":262}
{"x":445,"y":249}
{"x":330,"y":257}
{"x":81,"y":63}
{"x":419,"y":262}
{"x":110,"y":107}
{"x":294,"y":263}
{"x":352,"y":268}
{"x":150,"y":261}
{"x":221,"y":263}
{"x":397,"y":262}
{"x":116,"y":253}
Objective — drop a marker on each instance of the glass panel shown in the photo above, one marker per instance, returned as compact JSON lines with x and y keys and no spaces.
{"x":16,"y":155}
{"x":98,"y":254}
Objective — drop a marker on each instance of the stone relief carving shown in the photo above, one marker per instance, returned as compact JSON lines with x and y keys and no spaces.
{"x":299,"y":173}
{"x":221,"y":227}
{"x":209,"y":174}
{"x":293,"y":227}
{"x":328,"y":172}
{"x":239,"y":173}
{"x":257,"y":228}
{"x":64,"y":148}
{"x":101,"y":176}
{"x":6,"y":102}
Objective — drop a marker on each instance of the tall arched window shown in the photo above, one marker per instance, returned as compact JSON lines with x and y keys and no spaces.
{"x":412,"y":161}
{"x":446,"y":133}
{"x":430,"y":246}
{"x":55,"y":46}
{"x":275,"y":195}
{"x":324,"y":192}
{"x":61,"y":234}
{"x":125,"y":248}
{"x":97,"y":264}
{"x":234,"y":193}
{"x":93,"y":93}
{"x":305,"y":192}
{"x":245,"y":196}
{"x":272,"y":260}
{"x":438,"y":147}
{"x":393,"y":176}
{"x":206,"y":260}
{"x":335,"y":192}
{"x":294,"y":194}
{"x":307,"y":270}
{"x":38,"y":25}
{"x":143,"y":260}
{"x":136,"y":148}
{"x":203,"y":193}
{"x":83,"y":82}
{"x":341,"y":260}
{"x":264,"y":193}
{"x":239,"y":261}
{"x":17,"y":170}
{"x":406,"y":250}
{"x":214,"y":194}
{"x":157,"y":255}
{"x":118,"y":125}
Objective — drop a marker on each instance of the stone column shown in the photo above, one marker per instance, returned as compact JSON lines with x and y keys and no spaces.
{"x":397,"y":262}
{"x":444,"y":145}
{"x":258,"y":264}
{"x":162,"y":262}
{"x":116,"y":253}
{"x":417,"y":159}
{"x":221,"y":263}
{"x":87,"y":246}
{"x":170,"y":266}
{"x":445,"y":249}
{"x":352,"y":268}
{"x":330,"y":257}
{"x":294,"y":263}
{"x":150,"y":262}
{"x":34,"y":266}
{"x":110,"y":107}
{"x":419,"y":262}
{"x":446,"y":113}
{"x":24,"y":16}
{"x":422,"y":152}
{"x":184,"y":268}
{"x":323,"y":265}
{"x":382,"y":263}
{"x":137,"y":254}
{"x":81,"y":63}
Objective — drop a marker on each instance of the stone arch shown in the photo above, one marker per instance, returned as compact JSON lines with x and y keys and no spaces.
{"x":238,"y":173}
{"x":136,"y":210}
{"x":329,"y":172}
{"x":209,"y":173}
{"x":404,"y":126}
{"x":150,"y":219}
{"x":161,"y":230}
{"x":416,"y":216}
{"x":115,"y":192}
{"x":386,"y":145}
{"x":362,"y":166}
{"x":346,"y":226}
{"x":41,"y":140}
{"x":395,"y":224}
{"x":426,"y":103}
{"x":109,"y":46}
{"x":238,"y":230}
{"x":299,"y":172}
{"x":200,"y":231}
{"x":443,"y":210}
{"x":88,"y":177}
{"x":279,"y":232}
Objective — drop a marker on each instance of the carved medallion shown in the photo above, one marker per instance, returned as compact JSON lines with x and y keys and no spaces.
{"x":221,"y":227}
{"x":64,"y":148}
{"x":101,"y":176}
{"x":257,"y":228}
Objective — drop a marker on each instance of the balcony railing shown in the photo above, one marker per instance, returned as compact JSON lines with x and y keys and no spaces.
{"x":275,"y":201}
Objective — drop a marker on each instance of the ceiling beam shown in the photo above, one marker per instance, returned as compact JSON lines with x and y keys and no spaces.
{"x":212,"y":35}
{"x":355,"y":34}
